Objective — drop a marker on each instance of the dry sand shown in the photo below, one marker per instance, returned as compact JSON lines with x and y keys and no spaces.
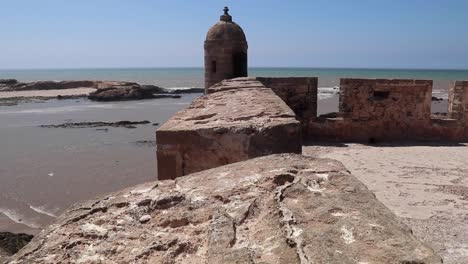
{"x":425,"y":185}
{"x":47,"y":93}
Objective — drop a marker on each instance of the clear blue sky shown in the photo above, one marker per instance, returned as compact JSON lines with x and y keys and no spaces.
{"x":170,"y":33}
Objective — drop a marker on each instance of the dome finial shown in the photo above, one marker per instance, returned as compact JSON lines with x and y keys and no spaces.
{"x":226,"y":17}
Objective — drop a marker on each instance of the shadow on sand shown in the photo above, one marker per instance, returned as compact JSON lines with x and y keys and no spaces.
{"x":308,"y":143}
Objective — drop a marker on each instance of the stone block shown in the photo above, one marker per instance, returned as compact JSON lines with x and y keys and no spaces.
{"x":240,"y":119}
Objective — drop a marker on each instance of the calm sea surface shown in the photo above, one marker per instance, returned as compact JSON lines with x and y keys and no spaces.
{"x":44,"y":170}
{"x":193,"y":77}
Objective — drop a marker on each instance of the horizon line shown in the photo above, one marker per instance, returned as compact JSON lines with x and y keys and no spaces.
{"x":252,"y":67}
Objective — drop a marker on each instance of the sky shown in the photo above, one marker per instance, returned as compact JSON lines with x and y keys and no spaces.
{"x":51,"y":34}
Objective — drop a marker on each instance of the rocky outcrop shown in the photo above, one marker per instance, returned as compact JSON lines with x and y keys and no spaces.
{"x":105,"y":90}
{"x":277,"y":209}
{"x":125,"y":124}
{"x":8,"y":81}
{"x":14,"y":85}
{"x":128,"y":93}
{"x":12,"y":243}
{"x":238,"y":121}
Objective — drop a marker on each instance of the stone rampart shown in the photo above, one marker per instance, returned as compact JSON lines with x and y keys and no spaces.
{"x":458,"y":101}
{"x":238,"y":120}
{"x":243,"y":118}
{"x":392,"y":110}
{"x":300,"y":94}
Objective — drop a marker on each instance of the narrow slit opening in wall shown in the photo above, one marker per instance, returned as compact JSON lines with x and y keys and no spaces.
{"x":328,"y":98}
{"x":213,"y":66}
{"x":380,"y":95}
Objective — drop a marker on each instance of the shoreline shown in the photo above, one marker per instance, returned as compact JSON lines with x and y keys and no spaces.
{"x":82,"y":92}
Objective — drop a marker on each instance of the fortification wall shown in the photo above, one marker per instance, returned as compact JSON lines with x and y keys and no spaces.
{"x":244,"y":118}
{"x":391,"y":110}
{"x":300,"y":94}
{"x":458,"y":101}
{"x":238,"y":120}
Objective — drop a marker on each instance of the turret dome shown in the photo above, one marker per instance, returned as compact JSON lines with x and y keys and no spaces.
{"x":226,"y":29}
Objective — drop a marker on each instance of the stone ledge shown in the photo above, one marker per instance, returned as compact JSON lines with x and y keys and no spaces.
{"x":277,"y":209}
{"x":226,"y":126}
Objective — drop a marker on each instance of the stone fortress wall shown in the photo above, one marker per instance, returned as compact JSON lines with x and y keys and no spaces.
{"x":392,"y":110}
{"x":244,"y":118}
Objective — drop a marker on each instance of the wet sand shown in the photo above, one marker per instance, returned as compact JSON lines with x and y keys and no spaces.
{"x":425,"y":185}
{"x":45,"y":170}
{"x":47,"y":93}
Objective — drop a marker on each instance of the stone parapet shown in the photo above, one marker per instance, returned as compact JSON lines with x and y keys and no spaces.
{"x":240,"y":119}
{"x":458,"y":101}
{"x":299,"y":93}
{"x":392,"y":110}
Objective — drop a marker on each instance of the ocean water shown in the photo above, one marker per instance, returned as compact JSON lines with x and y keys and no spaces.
{"x":45,"y":170}
{"x":193,"y":77}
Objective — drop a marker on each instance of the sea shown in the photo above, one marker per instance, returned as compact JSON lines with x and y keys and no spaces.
{"x":45,"y":170}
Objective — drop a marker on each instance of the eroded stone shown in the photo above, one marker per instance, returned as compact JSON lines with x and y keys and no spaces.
{"x":258,"y":211}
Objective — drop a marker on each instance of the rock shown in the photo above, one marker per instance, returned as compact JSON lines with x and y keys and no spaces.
{"x":106,"y":90}
{"x":330,"y":115}
{"x":146,"y":143}
{"x":185,"y":91}
{"x":276,"y":209}
{"x":12,"y":243}
{"x":8,"y":81}
{"x":120,"y":94}
{"x":145,"y":219}
{"x":126,"y":124}
{"x":42,"y":85}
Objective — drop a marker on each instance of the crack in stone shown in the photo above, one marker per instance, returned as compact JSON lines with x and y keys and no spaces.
{"x":293,"y":234}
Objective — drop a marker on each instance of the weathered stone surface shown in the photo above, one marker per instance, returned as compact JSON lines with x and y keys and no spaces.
{"x":277,"y":209}
{"x":226,"y":126}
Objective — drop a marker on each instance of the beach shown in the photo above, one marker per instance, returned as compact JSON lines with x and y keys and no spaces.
{"x":426,"y":185}
{"x":47,"y":93}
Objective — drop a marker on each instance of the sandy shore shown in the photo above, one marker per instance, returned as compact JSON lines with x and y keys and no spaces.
{"x":47,"y":93}
{"x":427,"y":186}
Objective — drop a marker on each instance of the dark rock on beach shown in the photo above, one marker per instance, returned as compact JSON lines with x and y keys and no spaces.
{"x":136,"y":93}
{"x":186,"y":91}
{"x":120,"y":94}
{"x":14,"y":85}
{"x":11,"y":243}
{"x":8,"y":81}
{"x":125,"y":124}
{"x":106,"y":91}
